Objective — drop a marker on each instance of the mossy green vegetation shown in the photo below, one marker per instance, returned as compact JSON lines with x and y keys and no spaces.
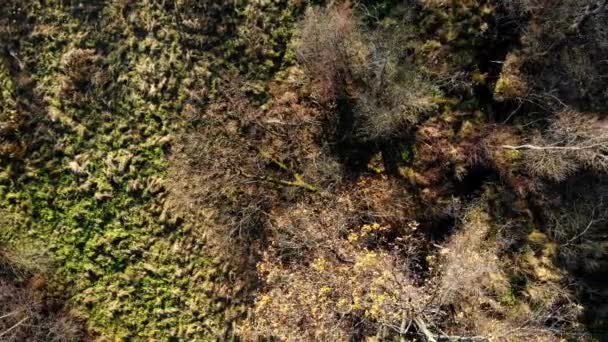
{"x":109,"y":80}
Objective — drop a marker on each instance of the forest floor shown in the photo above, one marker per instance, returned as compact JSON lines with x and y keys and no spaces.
{"x":169,"y":169}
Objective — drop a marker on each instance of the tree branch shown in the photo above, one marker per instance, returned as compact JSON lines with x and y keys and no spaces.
{"x":10,"y":314}
{"x":554,"y":148}
{"x":422,"y":328}
{"x":600,"y":7}
{"x":579,"y":234}
{"x":298,"y":182}
{"x":14,"y":326}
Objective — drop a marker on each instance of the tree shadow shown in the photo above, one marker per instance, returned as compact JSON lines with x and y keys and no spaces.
{"x":345,"y":142}
{"x":582,"y":255}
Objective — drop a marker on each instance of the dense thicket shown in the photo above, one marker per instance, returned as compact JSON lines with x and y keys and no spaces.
{"x":283,"y":170}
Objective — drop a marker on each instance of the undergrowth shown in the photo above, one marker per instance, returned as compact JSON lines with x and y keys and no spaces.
{"x":281,"y":169}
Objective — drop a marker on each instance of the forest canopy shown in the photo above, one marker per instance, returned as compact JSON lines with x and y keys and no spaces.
{"x":287,"y":170}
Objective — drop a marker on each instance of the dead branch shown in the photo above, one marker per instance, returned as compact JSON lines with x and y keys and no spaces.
{"x":14,"y":326}
{"x":297,"y":182}
{"x":554,"y":148}
{"x":579,"y":235}
{"x":424,"y":330}
{"x":590,"y":11}
{"x":13,"y":313}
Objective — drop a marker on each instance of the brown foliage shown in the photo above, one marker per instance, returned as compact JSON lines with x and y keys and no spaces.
{"x":471,"y":271}
{"x":329,"y":288}
{"x":342,"y":260}
{"x":397,"y":103}
{"x":573,"y":141}
{"x":561,"y":58}
{"x":332,"y":49}
{"x":27,"y":312}
{"x":323,"y":279}
{"x":236,"y":162}
{"x":347,"y":64}
{"x":81,"y":70}
{"x":474,"y":279}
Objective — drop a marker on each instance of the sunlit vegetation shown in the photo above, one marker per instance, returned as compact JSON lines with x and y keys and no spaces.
{"x":421,"y":170}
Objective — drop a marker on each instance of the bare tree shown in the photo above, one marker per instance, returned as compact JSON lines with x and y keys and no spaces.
{"x":572,"y":141}
{"x":331,"y":47}
{"x":577,"y":227}
{"x":346,"y":61}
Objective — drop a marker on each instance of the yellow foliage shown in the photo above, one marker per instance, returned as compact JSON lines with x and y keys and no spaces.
{"x":511,"y":84}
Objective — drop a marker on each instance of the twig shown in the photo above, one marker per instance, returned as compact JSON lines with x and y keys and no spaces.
{"x":404,"y":329}
{"x":556,"y":148}
{"x":513,"y":113}
{"x":14,"y":326}
{"x":19,"y":63}
{"x":601,"y":6}
{"x":579,"y":234}
{"x":298,"y":182}
{"x":10,"y":314}
{"x":422,"y":328}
